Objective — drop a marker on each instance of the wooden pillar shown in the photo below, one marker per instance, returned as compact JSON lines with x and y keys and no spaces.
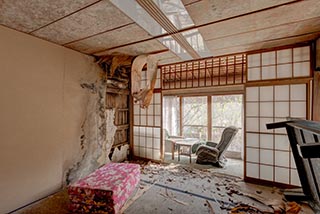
{"x":316,"y":85}
{"x":316,"y":96}
{"x":181,"y":115}
{"x":209,"y":105}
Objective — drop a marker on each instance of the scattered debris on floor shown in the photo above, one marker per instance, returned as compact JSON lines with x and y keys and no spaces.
{"x":174,"y":188}
{"x":231,"y":193}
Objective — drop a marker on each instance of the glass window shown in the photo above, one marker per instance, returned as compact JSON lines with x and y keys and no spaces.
{"x":195,"y":117}
{"x":227,"y":111}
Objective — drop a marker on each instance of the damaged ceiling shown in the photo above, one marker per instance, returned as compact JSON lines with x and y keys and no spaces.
{"x":173,"y":30}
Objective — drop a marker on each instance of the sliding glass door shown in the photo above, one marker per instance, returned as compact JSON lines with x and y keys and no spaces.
{"x":205,"y":118}
{"x":227,"y":110}
{"x":194,"y":117}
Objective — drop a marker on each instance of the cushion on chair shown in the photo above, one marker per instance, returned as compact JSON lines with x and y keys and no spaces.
{"x":207,"y":154}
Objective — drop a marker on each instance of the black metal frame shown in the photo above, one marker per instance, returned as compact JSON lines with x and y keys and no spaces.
{"x":304,"y":139}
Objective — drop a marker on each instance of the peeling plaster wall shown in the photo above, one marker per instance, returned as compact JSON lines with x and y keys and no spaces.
{"x":53,"y":123}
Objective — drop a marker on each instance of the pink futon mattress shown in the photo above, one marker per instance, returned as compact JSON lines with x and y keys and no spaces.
{"x":105,"y":190}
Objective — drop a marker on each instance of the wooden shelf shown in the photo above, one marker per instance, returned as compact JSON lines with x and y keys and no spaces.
{"x":117,"y":91}
{"x":121,"y":127}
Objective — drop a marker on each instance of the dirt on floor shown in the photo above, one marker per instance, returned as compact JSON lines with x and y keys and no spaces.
{"x":174,"y":188}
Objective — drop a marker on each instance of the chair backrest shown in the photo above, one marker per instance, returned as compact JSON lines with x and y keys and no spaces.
{"x":226,"y":138}
{"x":166,"y":134}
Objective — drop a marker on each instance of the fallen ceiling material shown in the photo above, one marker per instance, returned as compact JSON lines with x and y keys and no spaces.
{"x":143,"y":95}
{"x":181,"y":189}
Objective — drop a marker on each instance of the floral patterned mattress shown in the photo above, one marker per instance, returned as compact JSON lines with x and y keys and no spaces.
{"x":105,"y":190}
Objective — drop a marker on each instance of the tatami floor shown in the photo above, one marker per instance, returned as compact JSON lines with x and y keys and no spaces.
{"x":233,"y":167}
{"x":183,"y":188}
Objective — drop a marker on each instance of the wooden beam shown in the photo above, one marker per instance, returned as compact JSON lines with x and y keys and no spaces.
{"x":214,"y":90}
{"x":209,"y":119}
{"x":316,"y":96}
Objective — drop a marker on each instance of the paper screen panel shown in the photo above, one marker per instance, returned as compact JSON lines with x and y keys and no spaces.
{"x":266,"y":93}
{"x":301,"y":69}
{"x":252,"y":124}
{"x":147,"y":129}
{"x":284,"y":71}
{"x":281,"y":109}
{"x":298,"y":110}
{"x":282,"y":158}
{"x":284,"y":56}
{"x":266,"y":156}
{"x":269,"y":58}
{"x":266,"y":141}
{"x":252,"y":140}
{"x":252,"y":94}
{"x":252,"y":109}
{"x":254,"y":74}
{"x":269,"y":149}
{"x":281,"y":92}
{"x":252,"y":155}
{"x":252,"y":170}
{"x":254,"y":60}
{"x":282,"y":175}
{"x":282,"y":142}
{"x":268,"y":72}
{"x":280,"y":64}
{"x":266,"y":109}
{"x":301,"y":54}
{"x":298,"y":92}
{"x":294,"y":177}
{"x":266,"y":172}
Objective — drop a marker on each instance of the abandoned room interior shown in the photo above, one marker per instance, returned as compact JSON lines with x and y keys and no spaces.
{"x":160,"y":106}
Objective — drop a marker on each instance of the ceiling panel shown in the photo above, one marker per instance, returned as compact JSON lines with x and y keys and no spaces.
{"x":147,"y":47}
{"x":29,"y":15}
{"x":110,"y":39}
{"x":206,"y":11}
{"x":265,"y":45}
{"x":278,"y":32}
{"x":98,"y":27}
{"x":262,"y":20}
{"x":95,"y":19}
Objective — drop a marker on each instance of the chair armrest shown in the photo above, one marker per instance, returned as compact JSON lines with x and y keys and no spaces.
{"x":208,"y":149}
{"x":211,"y":143}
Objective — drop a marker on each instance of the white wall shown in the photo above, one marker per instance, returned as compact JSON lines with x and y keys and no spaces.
{"x":42,"y":108}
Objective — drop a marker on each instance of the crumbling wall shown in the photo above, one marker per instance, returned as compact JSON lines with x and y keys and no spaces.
{"x":93,"y":137}
{"x":98,"y":128}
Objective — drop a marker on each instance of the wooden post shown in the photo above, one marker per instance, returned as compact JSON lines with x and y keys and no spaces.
{"x":209,"y":106}
{"x":181,"y":115}
{"x":316,"y":85}
{"x":316,"y":96}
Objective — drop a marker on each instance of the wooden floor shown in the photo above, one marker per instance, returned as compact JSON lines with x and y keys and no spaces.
{"x":178,"y":188}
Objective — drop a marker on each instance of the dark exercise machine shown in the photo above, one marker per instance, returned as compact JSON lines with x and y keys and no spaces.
{"x":304,"y":137}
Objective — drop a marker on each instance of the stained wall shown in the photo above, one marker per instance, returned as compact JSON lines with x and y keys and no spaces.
{"x":53,"y":125}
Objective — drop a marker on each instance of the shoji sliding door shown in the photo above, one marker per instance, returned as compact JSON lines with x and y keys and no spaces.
{"x":147,"y":125}
{"x":278,"y":88}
